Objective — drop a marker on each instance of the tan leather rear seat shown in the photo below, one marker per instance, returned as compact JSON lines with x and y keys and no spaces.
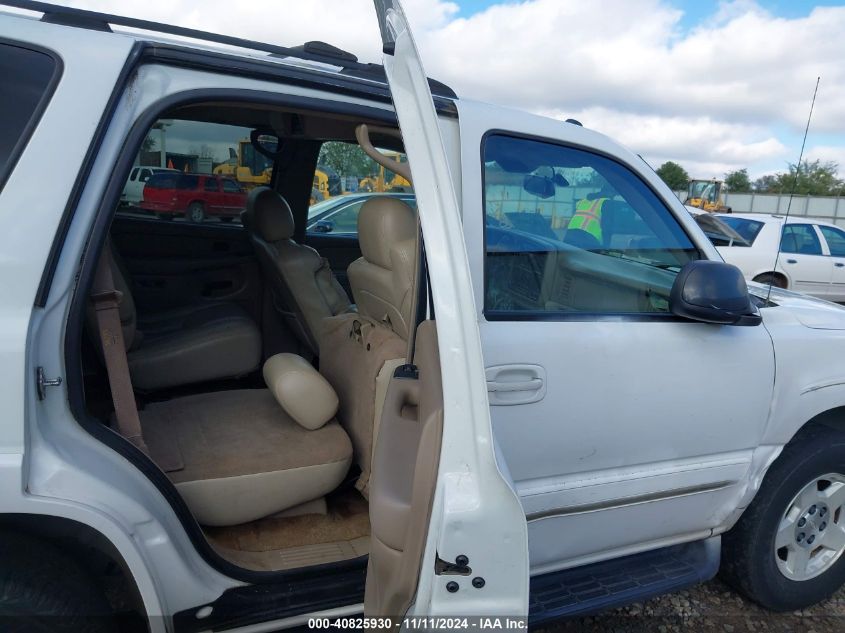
{"x":185,"y":345}
{"x":250,"y":453}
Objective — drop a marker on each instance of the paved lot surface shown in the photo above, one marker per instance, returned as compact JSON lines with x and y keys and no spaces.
{"x":712,"y":607}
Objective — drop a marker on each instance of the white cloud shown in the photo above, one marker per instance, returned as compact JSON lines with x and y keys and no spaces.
{"x":711,"y":96}
{"x":700,"y":144}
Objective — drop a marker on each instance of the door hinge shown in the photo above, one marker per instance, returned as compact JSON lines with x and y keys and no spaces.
{"x":42,"y":382}
{"x":459,"y":568}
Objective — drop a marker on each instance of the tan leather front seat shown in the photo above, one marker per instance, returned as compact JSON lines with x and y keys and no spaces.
{"x":302,"y":281}
{"x":382,"y":279}
{"x":363,"y":349}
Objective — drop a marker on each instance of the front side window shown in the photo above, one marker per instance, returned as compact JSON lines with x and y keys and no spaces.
{"x":569,"y":231}
{"x":230,"y":186}
{"x":343,"y":168}
{"x":800,"y":239}
{"x":835,"y":239}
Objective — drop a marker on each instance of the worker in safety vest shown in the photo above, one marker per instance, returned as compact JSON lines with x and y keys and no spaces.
{"x":588,"y":217}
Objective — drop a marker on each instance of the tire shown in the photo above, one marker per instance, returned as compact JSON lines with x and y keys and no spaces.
{"x":195,"y":212}
{"x":806,"y":483}
{"x":43,"y":590}
{"x":771,"y":278}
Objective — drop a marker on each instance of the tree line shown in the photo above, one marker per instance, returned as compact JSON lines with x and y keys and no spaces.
{"x":814,"y":178}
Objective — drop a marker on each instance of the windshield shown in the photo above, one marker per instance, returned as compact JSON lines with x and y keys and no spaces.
{"x":718,"y":231}
{"x":317,"y":208}
{"x":748,"y":229}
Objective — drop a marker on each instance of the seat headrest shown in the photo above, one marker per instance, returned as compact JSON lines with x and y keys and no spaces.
{"x":301,"y":390}
{"x":270,"y":215}
{"x":383,"y":222}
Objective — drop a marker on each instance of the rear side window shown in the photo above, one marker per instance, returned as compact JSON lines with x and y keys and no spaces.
{"x":192,"y":160}
{"x":26,"y":79}
{"x":163,"y":181}
{"x":748,"y":229}
{"x":187,"y":182}
{"x":801,"y":239}
{"x":835,"y":240}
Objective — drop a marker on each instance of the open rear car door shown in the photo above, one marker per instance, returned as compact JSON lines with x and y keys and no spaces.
{"x":449,"y":536}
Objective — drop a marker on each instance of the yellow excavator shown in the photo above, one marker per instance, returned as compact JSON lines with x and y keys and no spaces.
{"x":247,"y":166}
{"x":384,"y":179}
{"x":708,"y":195}
{"x":327,"y":184}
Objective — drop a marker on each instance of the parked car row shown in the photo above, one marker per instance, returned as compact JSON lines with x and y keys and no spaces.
{"x":797,"y":253}
{"x":169,"y":193}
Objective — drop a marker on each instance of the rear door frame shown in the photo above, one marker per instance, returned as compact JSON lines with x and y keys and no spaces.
{"x":476,"y":514}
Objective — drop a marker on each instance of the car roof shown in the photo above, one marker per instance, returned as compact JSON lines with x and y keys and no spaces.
{"x":776,"y":218}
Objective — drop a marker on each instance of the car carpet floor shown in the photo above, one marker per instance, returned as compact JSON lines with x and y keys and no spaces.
{"x":276,"y":543}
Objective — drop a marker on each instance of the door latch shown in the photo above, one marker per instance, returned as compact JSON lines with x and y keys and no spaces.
{"x":43,"y":382}
{"x":459,"y":568}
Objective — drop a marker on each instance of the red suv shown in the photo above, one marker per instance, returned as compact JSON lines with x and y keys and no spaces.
{"x":196,"y":196}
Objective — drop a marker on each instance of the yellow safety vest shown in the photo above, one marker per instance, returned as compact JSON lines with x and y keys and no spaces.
{"x":588,"y":217}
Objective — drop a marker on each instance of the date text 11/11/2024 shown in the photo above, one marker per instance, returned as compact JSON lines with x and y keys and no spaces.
{"x":423,"y":623}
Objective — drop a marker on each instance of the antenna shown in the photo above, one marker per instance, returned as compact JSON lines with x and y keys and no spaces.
{"x":794,"y":183}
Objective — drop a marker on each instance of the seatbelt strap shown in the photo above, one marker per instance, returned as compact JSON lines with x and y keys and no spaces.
{"x":106,"y":300}
{"x":413,"y":317}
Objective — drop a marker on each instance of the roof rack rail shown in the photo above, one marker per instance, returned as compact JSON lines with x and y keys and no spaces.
{"x":318,"y":52}
{"x":68,"y":16}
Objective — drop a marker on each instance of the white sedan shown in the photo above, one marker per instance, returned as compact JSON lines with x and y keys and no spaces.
{"x":811,"y":259}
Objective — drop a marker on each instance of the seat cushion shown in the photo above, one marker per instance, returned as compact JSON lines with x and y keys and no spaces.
{"x":244,"y":457}
{"x":194,"y":344}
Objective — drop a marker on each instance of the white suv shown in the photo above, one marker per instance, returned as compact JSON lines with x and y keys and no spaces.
{"x":561,"y":400}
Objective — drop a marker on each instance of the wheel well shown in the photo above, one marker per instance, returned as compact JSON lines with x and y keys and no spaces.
{"x":94,"y":553}
{"x":774,"y":274}
{"x":833,"y":419}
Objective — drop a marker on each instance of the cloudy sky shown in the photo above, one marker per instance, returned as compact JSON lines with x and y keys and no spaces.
{"x":712,"y":85}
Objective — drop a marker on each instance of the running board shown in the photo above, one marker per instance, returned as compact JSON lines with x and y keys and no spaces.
{"x":613,"y":583}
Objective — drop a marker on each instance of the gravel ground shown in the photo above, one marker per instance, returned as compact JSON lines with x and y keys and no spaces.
{"x":709,"y":607}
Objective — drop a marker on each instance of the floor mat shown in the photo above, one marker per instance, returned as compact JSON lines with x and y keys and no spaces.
{"x":289,"y":542}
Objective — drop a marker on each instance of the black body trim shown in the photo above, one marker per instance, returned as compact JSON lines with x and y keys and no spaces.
{"x":35,"y":118}
{"x":314,"y":590}
{"x":617,"y":582}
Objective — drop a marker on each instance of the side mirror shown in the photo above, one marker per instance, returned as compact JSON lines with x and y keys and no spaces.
{"x":713,"y":292}
{"x":323,"y":226}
